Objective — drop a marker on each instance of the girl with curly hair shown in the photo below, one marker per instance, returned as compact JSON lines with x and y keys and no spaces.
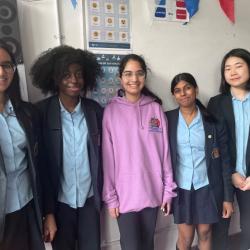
{"x":71,"y":130}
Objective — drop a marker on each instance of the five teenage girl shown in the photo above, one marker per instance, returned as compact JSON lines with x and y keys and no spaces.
{"x":137,"y":143}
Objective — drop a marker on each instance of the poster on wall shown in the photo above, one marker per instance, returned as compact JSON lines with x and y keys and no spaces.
{"x":108,"y":24}
{"x":170,"y":10}
{"x":109,"y":84}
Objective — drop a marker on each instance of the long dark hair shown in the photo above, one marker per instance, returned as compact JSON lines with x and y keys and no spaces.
{"x":187,"y":77}
{"x":13,"y":91}
{"x":240,"y":53}
{"x":133,"y":57}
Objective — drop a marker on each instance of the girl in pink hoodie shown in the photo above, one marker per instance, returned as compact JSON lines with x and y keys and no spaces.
{"x":137,"y":167}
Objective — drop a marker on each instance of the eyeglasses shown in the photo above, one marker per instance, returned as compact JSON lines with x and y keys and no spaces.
{"x":8,"y":67}
{"x":138,"y":74}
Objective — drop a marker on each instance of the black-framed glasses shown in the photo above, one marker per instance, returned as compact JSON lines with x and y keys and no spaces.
{"x":8,"y":67}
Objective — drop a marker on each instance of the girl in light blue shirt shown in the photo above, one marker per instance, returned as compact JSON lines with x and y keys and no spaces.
{"x":232,"y":107}
{"x":201,"y":166}
{"x":20,"y":216}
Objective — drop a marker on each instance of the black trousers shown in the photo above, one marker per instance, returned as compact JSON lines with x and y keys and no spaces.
{"x":21,"y":231}
{"x":220,"y":230}
{"x":243,"y":198}
{"x":77,"y":228}
{"x":137,"y":229}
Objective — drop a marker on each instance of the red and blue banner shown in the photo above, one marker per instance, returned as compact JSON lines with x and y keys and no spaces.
{"x":228,"y":8}
{"x":192,"y":6}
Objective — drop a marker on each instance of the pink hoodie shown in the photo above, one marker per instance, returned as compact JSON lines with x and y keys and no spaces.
{"x":136,"y":158}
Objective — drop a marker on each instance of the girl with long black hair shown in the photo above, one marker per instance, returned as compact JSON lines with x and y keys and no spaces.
{"x":201,"y":166}
{"x":20,"y":216}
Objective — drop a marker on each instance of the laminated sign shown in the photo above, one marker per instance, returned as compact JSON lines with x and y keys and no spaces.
{"x":170,"y":10}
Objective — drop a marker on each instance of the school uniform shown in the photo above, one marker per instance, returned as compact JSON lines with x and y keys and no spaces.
{"x":73,"y":175}
{"x":20,"y":215}
{"x":201,"y":169}
{"x":235,"y":114}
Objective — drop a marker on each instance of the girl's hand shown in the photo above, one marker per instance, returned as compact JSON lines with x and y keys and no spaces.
{"x":165,"y":208}
{"x":227,"y":209}
{"x":49,"y":228}
{"x":246,"y":184}
{"x":114,"y":212}
{"x":238,"y":180}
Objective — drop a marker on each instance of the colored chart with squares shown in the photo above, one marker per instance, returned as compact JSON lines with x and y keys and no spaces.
{"x":109,"y":84}
{"x":171,"y":10}
{"x":108,"y":24}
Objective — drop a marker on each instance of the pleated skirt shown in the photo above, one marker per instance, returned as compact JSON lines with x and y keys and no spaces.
{"x":195,"y":207}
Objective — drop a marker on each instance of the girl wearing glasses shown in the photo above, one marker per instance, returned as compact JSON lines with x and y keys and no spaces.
{"x":201,"y":166}
{"x":136,"y":158}
{"x":232,"y":107}
{"x":20,"y":216}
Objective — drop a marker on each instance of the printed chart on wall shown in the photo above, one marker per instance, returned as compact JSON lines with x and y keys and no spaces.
{"x":108,"y":24}
{"x":109,"y":84}
{"x":170,"y":10}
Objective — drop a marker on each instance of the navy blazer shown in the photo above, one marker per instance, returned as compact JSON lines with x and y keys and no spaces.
{"x":28,"y":118}
{"x":218,"y":169}
{"x":221,"y":106}
{"x":50,"y":112}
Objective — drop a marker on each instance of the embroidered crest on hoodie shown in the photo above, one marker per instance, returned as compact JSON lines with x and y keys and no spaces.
{"x":154,"y":125}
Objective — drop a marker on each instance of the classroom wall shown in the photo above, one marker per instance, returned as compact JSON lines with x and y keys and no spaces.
{"x":168,"y":47}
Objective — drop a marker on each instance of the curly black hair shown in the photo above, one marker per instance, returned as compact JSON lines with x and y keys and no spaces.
{"x":49,"y":68}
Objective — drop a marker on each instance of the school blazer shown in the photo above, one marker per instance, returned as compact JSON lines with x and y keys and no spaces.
{"x":218,"y":168}
{"x":52,"y":142}
{"x":29,"y":120}
{"x":221,"y":106}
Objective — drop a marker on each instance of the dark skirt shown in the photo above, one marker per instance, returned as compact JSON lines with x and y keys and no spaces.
{"x":21,"y":230}
{"x":195,"y":207}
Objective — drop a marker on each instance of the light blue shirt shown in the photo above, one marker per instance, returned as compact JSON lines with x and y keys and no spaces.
{"x":76,"y":184}
{"x":242,"y":121}
{"x":14,"y":150}
{"x":191,"y":163}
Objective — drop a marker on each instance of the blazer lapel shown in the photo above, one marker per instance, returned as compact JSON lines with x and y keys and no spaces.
{"x":227,"y":107}
{"x":90,"y":116}
{"x":173,"y":123}
{"x":209,"y":140}
{"x":2,"y":166}
{"x":54,"y":126}
{"x":3,"y":187}
{"x":25,"y":120}
{"x":54,"y":115}
{"x":248,"y":155}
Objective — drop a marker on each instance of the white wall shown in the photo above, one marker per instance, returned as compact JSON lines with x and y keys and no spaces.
{"x":169,"y":48}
